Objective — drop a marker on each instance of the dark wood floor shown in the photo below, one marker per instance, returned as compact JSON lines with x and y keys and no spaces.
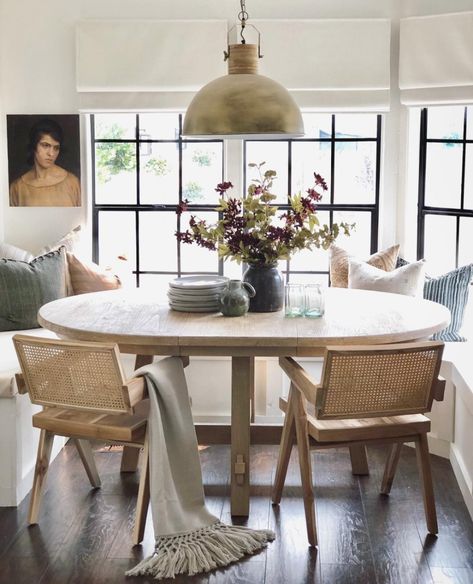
{"x":84,"y":535}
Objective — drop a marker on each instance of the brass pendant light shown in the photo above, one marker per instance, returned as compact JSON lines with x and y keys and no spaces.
{"x":243,"y":104}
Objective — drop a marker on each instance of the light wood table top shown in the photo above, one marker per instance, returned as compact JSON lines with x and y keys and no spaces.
{"x":134,"y":320}
{"x":140,"y":325}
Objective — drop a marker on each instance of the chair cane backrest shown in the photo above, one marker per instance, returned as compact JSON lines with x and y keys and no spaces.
{"x":385,"y":380}
{"x":73,"y":374}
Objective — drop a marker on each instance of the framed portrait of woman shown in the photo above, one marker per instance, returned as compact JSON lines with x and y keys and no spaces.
{"x":44,"y":160}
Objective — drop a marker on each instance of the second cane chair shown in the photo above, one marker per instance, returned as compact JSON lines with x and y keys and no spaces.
{"x":84,"y":395}
{"x":367,"y":395}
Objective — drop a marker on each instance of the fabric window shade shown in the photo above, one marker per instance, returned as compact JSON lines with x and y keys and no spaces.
{"x":436,"y":59}
{"x":329,"y":64}
{"x":149,"y":55}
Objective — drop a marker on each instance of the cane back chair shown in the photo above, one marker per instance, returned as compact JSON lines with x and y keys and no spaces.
{"x":367,"y":395}
{"x":84,"y":395}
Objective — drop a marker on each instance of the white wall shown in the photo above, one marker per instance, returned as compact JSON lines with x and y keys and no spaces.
{"x":37,"y":75}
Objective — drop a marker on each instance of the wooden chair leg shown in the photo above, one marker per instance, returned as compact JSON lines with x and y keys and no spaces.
{"x":423,"y":462}
{"x":45,"y":446}
{"x":300,"y":417}
{"x":390,"y":468}
{"x":359,"y":460}
{"x":86,"y":455}
{"x":287,"y":440}
{"x":142,"y":502}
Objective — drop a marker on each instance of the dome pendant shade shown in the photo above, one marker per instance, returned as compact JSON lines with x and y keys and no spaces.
{"x":243,"y":104}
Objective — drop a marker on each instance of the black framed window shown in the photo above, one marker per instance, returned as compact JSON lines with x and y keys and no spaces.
{"x":142,"y":168}
{"x":346,"y":150}
{"x":445,"y":206}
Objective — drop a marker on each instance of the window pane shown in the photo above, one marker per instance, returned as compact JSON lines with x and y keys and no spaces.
{"x":321,"y":279}
{"x":468,"y":194}
{"x":232,"y":270}
{"x":275,"y":154}
{"x":158,"y":244}
{"x":159,"y":177}
{"x":355,"y":126}
{"x":117,"y":240}
{"x":115,"y":126}
{"x":440,"y":238}
{"x":355,"y":172}
{"x":469,"y":131}
{"x":317,"y":125}
{"x":307,"y":158}
{"x":159,"y":126}
{"x":196,"y":259}
{"x":159,"y":284}
{"x":315,"y":259}
{"x":445,"y":122}
{"x":115,"y":173}
{"x":359,"y":241}
{"x":201,"y":171}
{"x":465,"y":251}
{"x":443,"y":175}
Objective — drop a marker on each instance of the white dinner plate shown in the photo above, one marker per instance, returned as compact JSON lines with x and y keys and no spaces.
{"x":199,"y":282}
{"x":181,"y":308}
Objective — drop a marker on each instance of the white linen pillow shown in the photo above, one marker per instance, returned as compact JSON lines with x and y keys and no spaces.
{"x":11,"y":252}
{"x":408,"y":280}
{"x":70,"y":241}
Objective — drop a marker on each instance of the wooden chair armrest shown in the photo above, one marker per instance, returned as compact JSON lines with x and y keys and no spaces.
{"x":137,"y":390}
{"x":439,"y":388}
{"x":20,"y":383}
{"x":299,"y":377}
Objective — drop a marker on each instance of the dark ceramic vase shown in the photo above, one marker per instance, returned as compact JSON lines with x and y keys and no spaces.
{"x":267,"y":281}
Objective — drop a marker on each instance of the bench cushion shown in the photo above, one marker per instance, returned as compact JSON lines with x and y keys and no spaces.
{"x":9,"y":362}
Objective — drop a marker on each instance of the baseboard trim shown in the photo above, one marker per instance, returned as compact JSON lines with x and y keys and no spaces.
{"x":462,"y":476}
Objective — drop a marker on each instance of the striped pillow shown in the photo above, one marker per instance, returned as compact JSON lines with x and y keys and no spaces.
{"x":451,"y":290}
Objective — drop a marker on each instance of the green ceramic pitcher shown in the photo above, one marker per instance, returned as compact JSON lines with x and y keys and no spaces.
{"x":235,"y":299}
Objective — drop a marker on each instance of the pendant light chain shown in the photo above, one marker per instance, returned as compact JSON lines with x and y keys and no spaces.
{"x":242,"y":17}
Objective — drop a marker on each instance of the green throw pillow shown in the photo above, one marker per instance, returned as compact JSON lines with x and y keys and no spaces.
{"x":25,"y":287}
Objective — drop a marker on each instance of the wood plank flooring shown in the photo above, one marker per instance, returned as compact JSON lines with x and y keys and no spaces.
{"x":84,"y":534}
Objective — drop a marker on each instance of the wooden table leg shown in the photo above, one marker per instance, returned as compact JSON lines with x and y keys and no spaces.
{"x":359,"y":460}
{"x":131,"y":455}
{"x":243,"y":379}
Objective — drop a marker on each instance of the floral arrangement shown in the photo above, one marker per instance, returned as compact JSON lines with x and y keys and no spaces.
{"x":250,"y":231}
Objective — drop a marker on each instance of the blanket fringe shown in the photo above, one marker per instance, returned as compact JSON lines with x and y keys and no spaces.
{"x":201,"y":550}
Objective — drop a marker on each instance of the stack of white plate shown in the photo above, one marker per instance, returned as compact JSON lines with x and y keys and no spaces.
{"x":196,"y":293}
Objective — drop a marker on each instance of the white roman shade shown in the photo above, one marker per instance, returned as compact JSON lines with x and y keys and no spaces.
{"x":436,"y":59}
{"x":329,"y":63}
{"x":131,"y":62}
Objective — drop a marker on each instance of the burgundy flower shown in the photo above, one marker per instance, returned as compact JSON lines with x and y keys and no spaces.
{"x":313,"y":194}
{"x":183,"y":206}
{"x":222,"y":188}
{"x":320,"y":181}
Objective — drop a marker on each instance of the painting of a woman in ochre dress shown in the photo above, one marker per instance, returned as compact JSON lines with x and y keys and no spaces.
{"x":44,"y":161}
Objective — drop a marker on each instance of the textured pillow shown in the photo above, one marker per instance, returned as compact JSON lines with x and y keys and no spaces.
{"x":89,"y":277}
{"x":384,"y":260}
{"x":406,"y":280}
{"x":25,"y":287}
{"x":11,"y":252}
{"x":452,"y":291}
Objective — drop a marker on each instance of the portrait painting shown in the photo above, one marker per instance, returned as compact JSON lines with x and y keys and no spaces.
{"x":44,"y":160}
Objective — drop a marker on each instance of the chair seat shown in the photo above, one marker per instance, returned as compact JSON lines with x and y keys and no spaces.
{"x":81,"y":424}
{"x":367,"y":428}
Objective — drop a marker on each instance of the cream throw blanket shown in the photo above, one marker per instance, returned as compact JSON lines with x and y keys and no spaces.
{"x":189,"y":539}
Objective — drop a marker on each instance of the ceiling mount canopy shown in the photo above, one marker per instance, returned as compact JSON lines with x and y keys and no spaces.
{"x":243,"y":104}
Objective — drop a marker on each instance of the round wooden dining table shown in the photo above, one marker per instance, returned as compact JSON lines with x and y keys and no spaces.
{"x":140,"y":325}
